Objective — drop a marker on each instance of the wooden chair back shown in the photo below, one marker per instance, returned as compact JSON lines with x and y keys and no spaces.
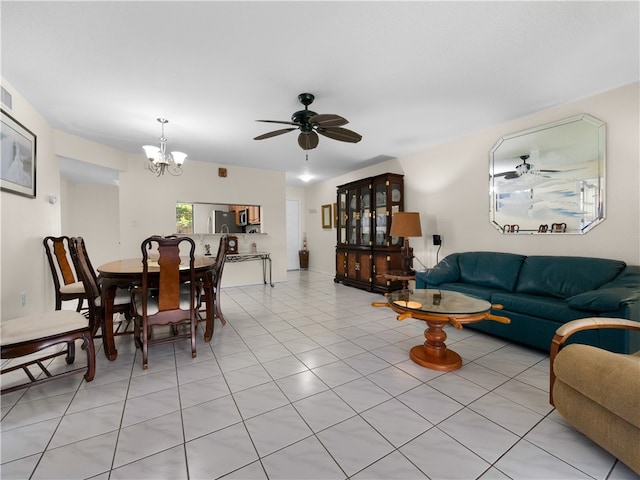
{"x":86,"y":272}
{"x":58,"y":252}
{"x":159,"y":301}
{"x":169,"y":262}
{"x":220,"y":259}
{"x":88,"y":277}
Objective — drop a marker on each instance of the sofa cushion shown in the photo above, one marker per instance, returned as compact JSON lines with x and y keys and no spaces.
{"x":603,"y":299}
{"x":564,"y":277}
{"x":551,"y":308}
{"x":490,"y":269}
{"x":474,"y":290}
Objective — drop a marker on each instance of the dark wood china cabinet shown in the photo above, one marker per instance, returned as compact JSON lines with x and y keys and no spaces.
{"x":365,"y":251}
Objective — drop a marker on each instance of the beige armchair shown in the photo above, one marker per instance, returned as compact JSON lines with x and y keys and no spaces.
{"x":598,"y":391}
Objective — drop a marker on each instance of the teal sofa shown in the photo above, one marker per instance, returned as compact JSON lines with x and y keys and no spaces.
{"x":540,"y":293}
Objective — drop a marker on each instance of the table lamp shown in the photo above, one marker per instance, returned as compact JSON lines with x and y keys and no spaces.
{"x":406,"y":224}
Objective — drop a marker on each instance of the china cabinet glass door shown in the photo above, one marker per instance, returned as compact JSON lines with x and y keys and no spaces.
{"x":342,"y":218}
{"x":353,"y":214}
{"x":382,"y":214}
{"x":365,"y":215}
{"x":395,"y":205}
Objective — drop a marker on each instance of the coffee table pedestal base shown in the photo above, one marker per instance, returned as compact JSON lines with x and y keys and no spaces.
{"x":444,"y":360}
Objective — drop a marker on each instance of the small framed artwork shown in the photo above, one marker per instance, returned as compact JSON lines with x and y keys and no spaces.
{"x":326,"y":216}
{"x":18,"y":158}
{"x":335,"y":215}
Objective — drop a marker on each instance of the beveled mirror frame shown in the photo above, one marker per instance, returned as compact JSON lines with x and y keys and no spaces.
{"x":550,"y":178}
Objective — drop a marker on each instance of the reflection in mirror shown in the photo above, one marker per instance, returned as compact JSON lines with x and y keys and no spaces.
{"x":210,"y":218}
{"x":549,"y":179}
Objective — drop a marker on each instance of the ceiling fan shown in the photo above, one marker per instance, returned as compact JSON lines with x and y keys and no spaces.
{"x":521,"y":169}
{"x":310,"y":124}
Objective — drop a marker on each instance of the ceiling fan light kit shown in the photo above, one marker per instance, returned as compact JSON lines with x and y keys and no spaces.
{"x":311,"y":123}
{"x":160,"y":160}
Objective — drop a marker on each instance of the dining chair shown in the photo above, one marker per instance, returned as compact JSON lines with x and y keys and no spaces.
{"x":558,"y":227}
{"x":216,"y":283}
{"x":159,"y":300}
{"x":121,"y":304}
{"x":25,"y":336}
{"x":68,"y":285}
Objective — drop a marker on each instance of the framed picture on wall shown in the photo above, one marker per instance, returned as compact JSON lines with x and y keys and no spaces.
{"x":18,"y":157}
{"x":326,"y":216}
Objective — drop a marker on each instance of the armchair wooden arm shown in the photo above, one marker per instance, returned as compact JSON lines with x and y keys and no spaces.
{"x":569,"y":328}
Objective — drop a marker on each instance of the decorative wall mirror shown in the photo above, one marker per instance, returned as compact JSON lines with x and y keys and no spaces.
{"x":549,"y":179}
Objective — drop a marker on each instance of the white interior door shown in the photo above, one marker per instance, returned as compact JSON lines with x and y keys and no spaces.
{"x":293,"y":234}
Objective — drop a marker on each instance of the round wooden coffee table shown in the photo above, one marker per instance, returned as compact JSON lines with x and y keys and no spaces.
{"x":438,"y":308}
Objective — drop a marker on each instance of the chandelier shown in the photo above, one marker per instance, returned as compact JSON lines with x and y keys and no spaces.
{"x":161,"y":161}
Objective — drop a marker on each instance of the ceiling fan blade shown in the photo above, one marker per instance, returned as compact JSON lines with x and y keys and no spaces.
{"x":278,"y":121}
{"x":308,"y":141}
{"x":274,"y":133}
{"x":507,"y":175}
{"x":341,"y":134}
{"x":328,"y":120}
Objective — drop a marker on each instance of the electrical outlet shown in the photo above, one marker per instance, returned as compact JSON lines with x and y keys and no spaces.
{"x":23,"y":298}
{"x":437,"y":240}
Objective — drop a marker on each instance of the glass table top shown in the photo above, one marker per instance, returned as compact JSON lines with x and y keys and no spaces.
{"x":438,"y":301}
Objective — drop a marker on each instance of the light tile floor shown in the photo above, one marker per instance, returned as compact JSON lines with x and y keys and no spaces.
{"x":306,"y":381}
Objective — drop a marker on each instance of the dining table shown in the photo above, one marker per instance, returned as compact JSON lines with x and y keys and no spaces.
{"x":127,"y":273}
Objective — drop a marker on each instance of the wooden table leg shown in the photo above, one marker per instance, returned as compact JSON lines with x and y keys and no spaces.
{"x":434,"y":353}
{"x":210,"y":309}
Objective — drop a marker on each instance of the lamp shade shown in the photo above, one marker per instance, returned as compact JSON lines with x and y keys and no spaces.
{"x":151,"y":151}
{"x":179,"y":157}
{"x":406,"y":224}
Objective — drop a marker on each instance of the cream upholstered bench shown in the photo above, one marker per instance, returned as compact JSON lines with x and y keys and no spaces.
{"x":26,"y":335}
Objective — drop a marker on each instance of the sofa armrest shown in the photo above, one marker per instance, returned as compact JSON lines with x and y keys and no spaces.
{"x":446,"y":271}
{"x":604,"y":299}
{"x":569,"y":328}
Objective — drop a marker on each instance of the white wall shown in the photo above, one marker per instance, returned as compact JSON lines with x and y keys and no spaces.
{"x":89,"y":213}
{"x":147,"y":207}
{"x":103,"y":215}
{"x":25,"y":221}
{"x":448,"y":184}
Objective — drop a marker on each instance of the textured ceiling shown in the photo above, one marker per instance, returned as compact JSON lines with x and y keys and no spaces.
{"x":406,"y":75}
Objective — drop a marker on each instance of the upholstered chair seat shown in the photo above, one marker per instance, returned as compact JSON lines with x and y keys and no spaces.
{"x":72,"y":288}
